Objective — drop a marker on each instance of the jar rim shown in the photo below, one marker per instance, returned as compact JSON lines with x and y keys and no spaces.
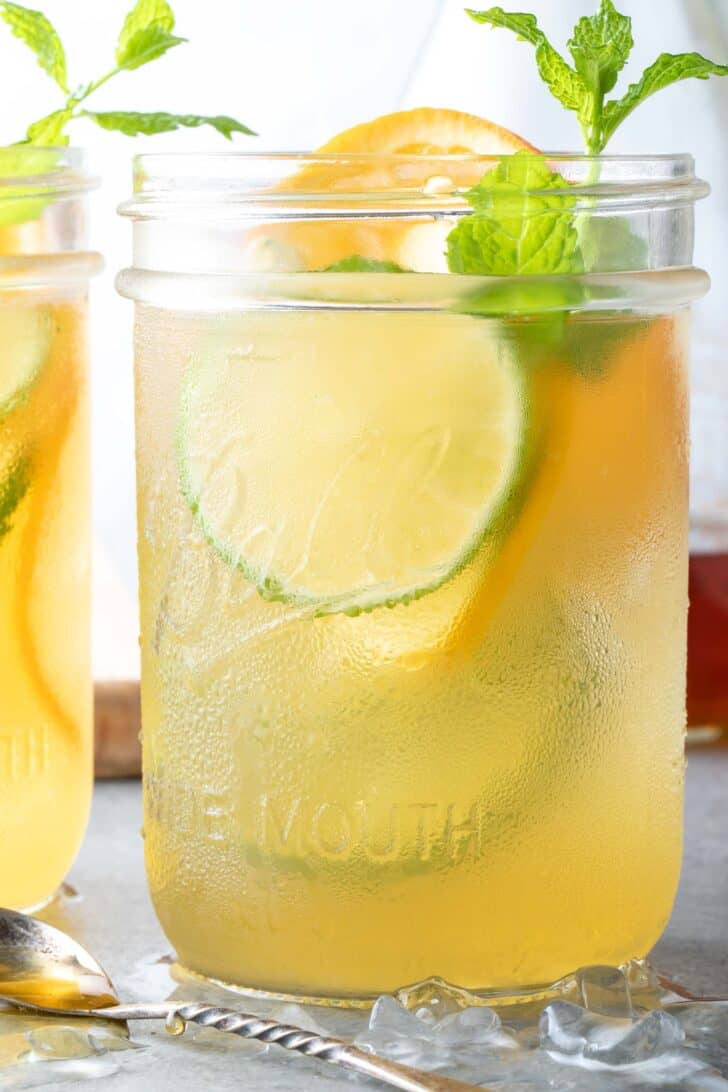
{"x":43,"y":171}
{"x":226,"y":182}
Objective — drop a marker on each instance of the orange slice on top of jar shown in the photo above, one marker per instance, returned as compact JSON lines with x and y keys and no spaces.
{"x":363,"y":177}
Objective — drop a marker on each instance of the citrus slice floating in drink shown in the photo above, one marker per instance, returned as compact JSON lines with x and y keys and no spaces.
{"x":370,"y":484}
{"x":401,"y":472}
{"x":25,"y":338}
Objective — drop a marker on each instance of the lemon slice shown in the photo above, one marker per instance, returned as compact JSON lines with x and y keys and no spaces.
{"x":350,"y":460}
{"x":25,"y":338}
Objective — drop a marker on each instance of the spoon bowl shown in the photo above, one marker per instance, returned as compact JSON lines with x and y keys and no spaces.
{"x":41,"y":965}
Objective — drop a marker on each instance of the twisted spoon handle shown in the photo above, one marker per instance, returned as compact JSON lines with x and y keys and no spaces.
{"x":335,"y":1051}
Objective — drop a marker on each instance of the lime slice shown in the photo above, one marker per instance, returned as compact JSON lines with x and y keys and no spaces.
{"x":346,"y":461}
{"x":25,"y":339}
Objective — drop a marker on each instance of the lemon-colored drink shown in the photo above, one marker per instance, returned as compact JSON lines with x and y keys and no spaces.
{"x":45,"y":687}
{"x":413,"y":614}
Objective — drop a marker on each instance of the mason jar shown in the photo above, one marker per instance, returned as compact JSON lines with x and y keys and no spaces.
{"x":413,"y":568}
{"x":45,"y":674}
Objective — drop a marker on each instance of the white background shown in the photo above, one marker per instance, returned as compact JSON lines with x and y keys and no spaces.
{"x":297,"y":71}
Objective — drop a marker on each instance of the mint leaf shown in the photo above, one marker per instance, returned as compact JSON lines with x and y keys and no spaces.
{"x":561,"y":79}
{"x":355,"y":263}
{"x":33,"y":28}
{"x":601,"y":45}
{"x":146,"y":45}
{"x":523,"y":25}
{"x":144,"y":14}
{"x":49,"y":130}
{"x":669,"y":68}
{"x":518,"y":227}
{"x":132,"y":123}
{"x":13,"y":488}
{"x":146,"y":34}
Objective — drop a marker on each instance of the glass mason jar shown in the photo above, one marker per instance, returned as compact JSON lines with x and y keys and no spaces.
{"x":46,"y":729}
{"x":413,"y":563}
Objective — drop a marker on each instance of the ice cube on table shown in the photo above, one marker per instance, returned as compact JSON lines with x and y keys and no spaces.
{"x":396,"y":1033}
{"x":473,"y":1028}
{"x":401,"y":1036}
{"x":570,"y":1030}
{"x":468,"y":1027}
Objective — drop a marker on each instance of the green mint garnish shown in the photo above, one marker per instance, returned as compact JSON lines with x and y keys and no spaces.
{"x":520,"y":230}
{"x":519,"y":225}
{"x":600,"y":47}
{"x":145,"y":36}
{"x":355,"y":263}
{"x":514,"y":229}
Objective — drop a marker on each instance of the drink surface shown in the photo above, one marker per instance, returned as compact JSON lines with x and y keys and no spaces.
{"x":45,"y":689}
{"x":484,"y":783}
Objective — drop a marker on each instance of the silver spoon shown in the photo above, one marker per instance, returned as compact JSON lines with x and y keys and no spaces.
{"x":42,"y":970}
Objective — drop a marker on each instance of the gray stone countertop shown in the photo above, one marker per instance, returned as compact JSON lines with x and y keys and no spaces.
{"x":113,"y":917}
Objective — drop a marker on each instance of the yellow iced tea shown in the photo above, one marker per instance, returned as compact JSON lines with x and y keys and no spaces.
{"x":480,"y":778}
{"x":45,"y":688}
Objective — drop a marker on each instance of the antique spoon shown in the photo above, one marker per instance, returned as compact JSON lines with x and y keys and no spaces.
{"x":42,"y":970}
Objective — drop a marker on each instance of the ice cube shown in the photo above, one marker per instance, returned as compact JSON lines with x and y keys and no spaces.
{"x":390,"y":1020}
{"x":404,"y":1037}
{"x":473,"y":1028}
{"x":426,"y":1015}
{"x":570,"y":1030}
{"x":604,"y":990}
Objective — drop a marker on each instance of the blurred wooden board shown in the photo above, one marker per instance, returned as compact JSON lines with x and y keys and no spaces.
{"x":117,"y":717}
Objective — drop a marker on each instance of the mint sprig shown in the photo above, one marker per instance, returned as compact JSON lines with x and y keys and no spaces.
{"x":600,"y":47}
{"x":508,"y":235}
{"x":146,"y":35}
{"x":522,"y":222}
{"x":521,"y":230}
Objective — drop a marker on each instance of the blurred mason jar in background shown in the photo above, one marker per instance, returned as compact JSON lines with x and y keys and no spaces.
{"x":489,"y":72}
{"x":708,"y":616}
